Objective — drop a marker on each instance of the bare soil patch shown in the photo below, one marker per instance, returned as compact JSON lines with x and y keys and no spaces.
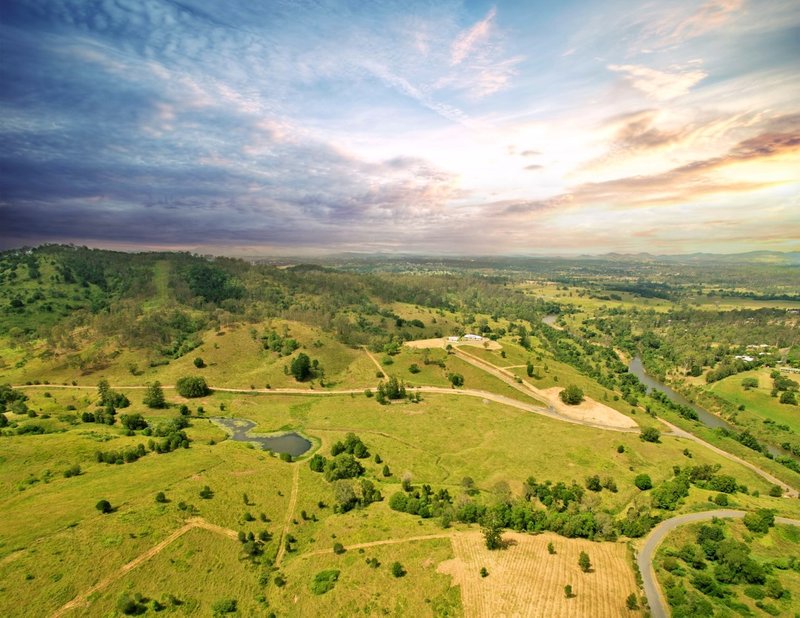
{"x":589,"y":411}
{"x":525,"y":580}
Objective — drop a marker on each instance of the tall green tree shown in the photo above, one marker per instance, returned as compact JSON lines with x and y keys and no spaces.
{"x":154,"y":396}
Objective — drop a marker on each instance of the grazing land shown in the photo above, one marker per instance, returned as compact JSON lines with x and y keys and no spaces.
{"x":123,"y":493}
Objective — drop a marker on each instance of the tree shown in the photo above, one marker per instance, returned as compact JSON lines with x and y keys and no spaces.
{"x":584,"y":562}
{"x":749,"y":383}
{"x":788,"y":397}
{"x":650,"y":434}
{"x":199,"y":363}
{"x":206,"y":493}
{"x":3,"y":420}
{"x":551,"y":548}
{"x":643,"y":482}
{"x":154,"y":396}
{"x":492,"y":529}
{"x":456,"y":379}
{"x":572,"y":395}
{"x":301,"y":367}
{"x":104,"y":506}
{"x":398,"y":570}
{"x":161,"y":497}
{"x":386,"y":472}
{"x":345,"y":496}
{"x":568,"y":591}
{"x":484,"y":572}
{"x":224,"y":606}
{"x":632,"y":602}
{"x":192,"y":386}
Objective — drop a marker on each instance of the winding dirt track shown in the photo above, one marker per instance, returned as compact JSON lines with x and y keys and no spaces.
{"x":289,"y":514}
{"x":644,"y":558}
{"x":196,"y":522}
{"x":408,"y":539}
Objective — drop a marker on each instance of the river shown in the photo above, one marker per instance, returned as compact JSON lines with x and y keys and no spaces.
{"x":707,"y":418}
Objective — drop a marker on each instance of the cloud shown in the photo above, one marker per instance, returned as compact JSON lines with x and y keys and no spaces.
{"x":532,"y":168}
{"x":660,"y":85}
{"x":709,"y":16}
{"x":467,"y":40}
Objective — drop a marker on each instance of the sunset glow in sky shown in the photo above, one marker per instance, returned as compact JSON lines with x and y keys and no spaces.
{"x":290,"y":127}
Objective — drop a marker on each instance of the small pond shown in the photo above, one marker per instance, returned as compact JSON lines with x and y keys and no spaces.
{"x":239,"y":429}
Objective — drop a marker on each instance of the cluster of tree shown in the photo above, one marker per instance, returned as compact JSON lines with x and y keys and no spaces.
{"x":105,"y":416}
{"x":283,"y":345}
{"x":253,"y":544}
{"x":12,"y":400}
{"x":211,"y":283}
{"x":126,"y":455}
{"x":730,"y":563}
{"x":679,"y":408}
{"x":353,"y":445}
{"x":342,"y":466}
{"x":347,"y":498}
{"x":594,"y":483}
{"x":785,"y":387}
{"x":133,"y":422}
{"x":304,"y":368}
{"x":391,"y":389}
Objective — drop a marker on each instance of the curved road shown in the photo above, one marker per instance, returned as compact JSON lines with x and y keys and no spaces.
{"x":655,"y":598}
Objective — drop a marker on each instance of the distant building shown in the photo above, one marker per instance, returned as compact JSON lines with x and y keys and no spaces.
{"x":745,"y":358}
{"x":471,"y":337}
{"x":452,"y":339}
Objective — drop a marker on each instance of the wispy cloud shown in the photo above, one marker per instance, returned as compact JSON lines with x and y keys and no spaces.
{"x":660,"y":85}
{"x":467,"y":40}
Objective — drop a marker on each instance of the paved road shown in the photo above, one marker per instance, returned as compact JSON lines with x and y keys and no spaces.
{"x":658,"y":604}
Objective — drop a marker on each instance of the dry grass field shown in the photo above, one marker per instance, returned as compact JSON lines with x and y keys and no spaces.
{"x":525,"y":580}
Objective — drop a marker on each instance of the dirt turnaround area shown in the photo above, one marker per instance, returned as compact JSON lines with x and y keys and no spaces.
{"x":525,"y":580}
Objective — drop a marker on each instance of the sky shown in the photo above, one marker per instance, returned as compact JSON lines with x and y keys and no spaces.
{"x":289,"y":127}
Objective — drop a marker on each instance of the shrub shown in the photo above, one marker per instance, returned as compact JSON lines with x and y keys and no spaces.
{"x":584,"y":562}
{"x":759,"y":521}
{"x":199,"y":363}
{"x":154,"y":396}
{"x":104,"y":506}
{"x":721,"y":500}
{"x":551,"y":548}
{"x":568,"y":591}
{"x":206,"y":493}
{"x":398,"y":570}
{"x":72,"y":471}
{"x":620,"y":449}
{"x":572,"y":395}
{"x":643,"y":482}
{"x":224,"y":606}
{"x":324,"y":581}
{"x":338,"y":548}
{"x":632,"y":602}
{"x":192,"y":386}
{"x":414,"y":368}
{"x":776,"y":491}
{"x":456,"y":379}
{"x":161,"y":497}
{"x":650,"y":434}
{"x":484,"y":572}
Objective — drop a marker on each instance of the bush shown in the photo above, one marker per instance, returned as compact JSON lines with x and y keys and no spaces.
{"x":584,"y":562}
{"x":632,"y":602}
{"x":338,"y":548}
{"x":72,"y":471}
{"x":398,"y":570}
{"x":572,"y":395}
{"x":643,"y":482}
{"x":760,"y":521}
{"x":414,"y":368}
{"x":324,"y":581}
{"x":456,"y":379}
{"x":484,"y":572}
{"x":192,"y":386}
{"x":650,"y":434}
{"x":206,"y":493}
{"x":721,"y":500}
{"x":154,"y":396}
{"x":776,"y":491}
{"x":224,"y":606}
{"x":104,"y":506}
{"x":199,"y":363}
{"x":161,"y":497}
